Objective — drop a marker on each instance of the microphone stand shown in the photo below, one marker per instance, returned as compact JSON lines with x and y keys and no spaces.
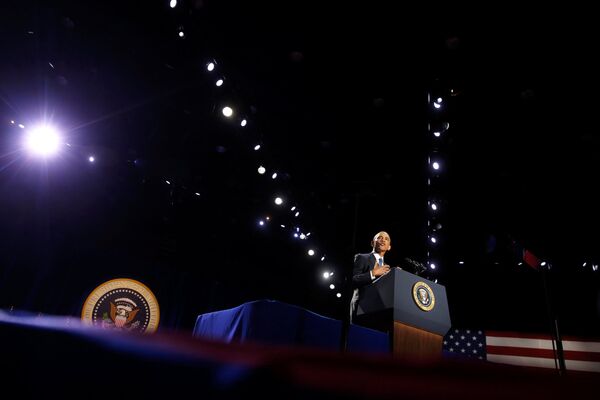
{"x":562,"y":369}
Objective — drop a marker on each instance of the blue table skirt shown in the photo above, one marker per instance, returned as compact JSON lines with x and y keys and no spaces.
{"x":274,"y":322}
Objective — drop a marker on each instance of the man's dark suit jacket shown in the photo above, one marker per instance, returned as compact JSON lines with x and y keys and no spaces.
{"x":361,"y":276}
{"x":363,"y":264}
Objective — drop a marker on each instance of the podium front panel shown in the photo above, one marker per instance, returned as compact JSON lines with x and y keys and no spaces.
{"x":398,"y":292}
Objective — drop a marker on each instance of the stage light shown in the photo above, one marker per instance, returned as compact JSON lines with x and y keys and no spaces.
{"x":181,"y":34}
{"x":21,"y":126}
{"x":323,"y":259}
{"x":297,"y":214}
{"x":173,"y":3}
{"x":42,"y":140}
{"x":261,"y":170}
{"x":326,"y":275}
{"x":278,"y":201}
{"x":257,"y":147}
{"x":433,"y":239}
{"x":311,"y":252}
{"x":219,"y":82}
{"x":441,"y":128}
{"x":338,"y":295}
{"x":332,"y":286}
{"x":243,"y":123}
{"x":436,"y":165}
{"x":293,"y":208}
{"x":434,"y":206}
{"x":261,"y":222}
{"x":302,"y":236}
{"x":210,"y":66}
{"x":168,"y":182}
{"x":296,"y":235}
{"x":227,"y":111}
{"x":274,"y":175}
{"x":91,"y":159}
{"x":432,"y":265}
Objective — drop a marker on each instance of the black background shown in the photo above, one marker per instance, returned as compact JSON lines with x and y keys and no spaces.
{"x":338,"y":96}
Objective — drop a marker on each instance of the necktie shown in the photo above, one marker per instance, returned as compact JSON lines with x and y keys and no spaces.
{"x":380,"y":261}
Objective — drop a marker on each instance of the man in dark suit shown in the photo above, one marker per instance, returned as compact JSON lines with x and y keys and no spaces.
{"x":368,"y":267}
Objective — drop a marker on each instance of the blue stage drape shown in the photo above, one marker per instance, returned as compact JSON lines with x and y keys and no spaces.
{"x":274,"y":322}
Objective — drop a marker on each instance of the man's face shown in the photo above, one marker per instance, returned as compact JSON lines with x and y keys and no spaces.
{"x":381,"y":242}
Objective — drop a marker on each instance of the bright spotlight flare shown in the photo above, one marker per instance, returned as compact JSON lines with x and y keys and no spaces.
{"x":42,"y":140}
{"x":227,"y":111}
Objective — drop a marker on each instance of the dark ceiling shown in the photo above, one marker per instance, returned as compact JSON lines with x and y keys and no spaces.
{"x":337,"y":95}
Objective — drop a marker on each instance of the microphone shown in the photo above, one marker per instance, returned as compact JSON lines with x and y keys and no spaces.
{"x":417,"y":266}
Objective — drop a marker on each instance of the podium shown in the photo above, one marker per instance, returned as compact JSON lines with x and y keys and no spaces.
{"x":411,"y":309}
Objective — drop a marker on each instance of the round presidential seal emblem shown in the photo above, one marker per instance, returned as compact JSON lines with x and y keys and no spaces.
{"x":123,"y":304}
{"x":423,"y":296}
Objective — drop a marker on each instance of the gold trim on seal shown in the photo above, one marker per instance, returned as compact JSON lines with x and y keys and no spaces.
{"x":423,"y":296}
{"x":123,"y":283}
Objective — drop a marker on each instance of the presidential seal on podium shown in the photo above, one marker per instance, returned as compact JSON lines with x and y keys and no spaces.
{"x":423,"y":296}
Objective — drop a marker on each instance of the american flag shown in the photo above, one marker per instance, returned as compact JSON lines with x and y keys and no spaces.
{"x":465,"y":342}
{"x":523,"y":349}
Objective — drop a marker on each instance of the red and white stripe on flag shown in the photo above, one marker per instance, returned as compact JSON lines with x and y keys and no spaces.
{"x":532,"y":350}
